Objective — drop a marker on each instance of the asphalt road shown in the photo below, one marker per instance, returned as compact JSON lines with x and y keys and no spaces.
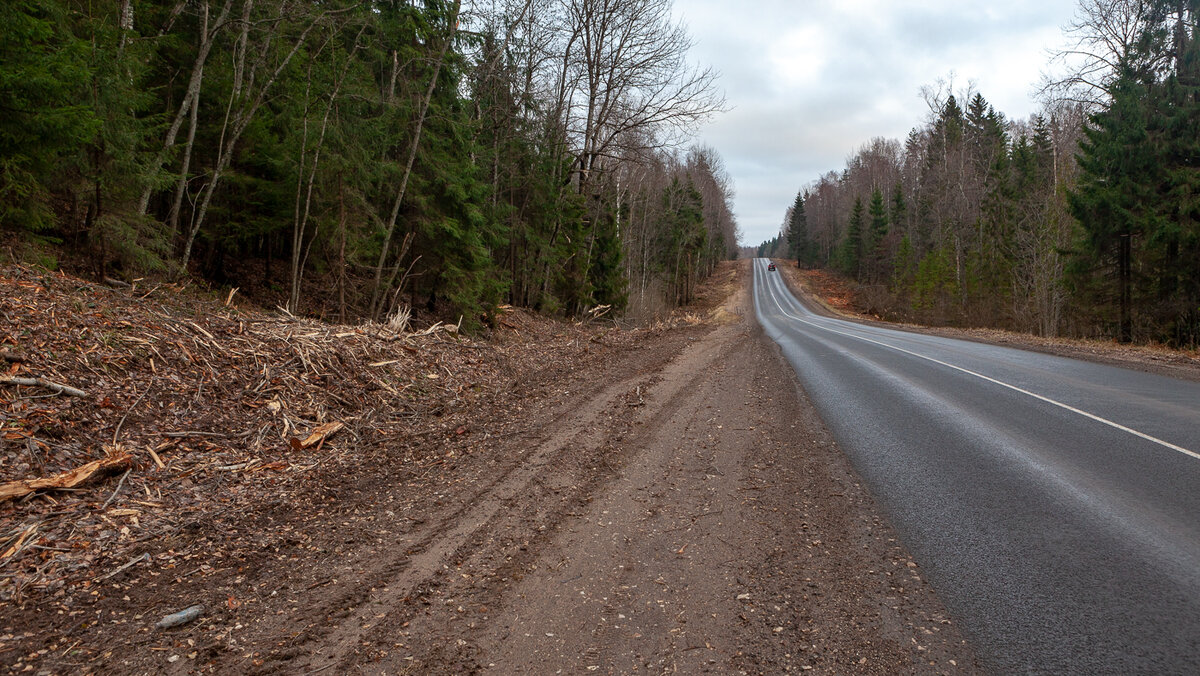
{"x":1054,"y":504}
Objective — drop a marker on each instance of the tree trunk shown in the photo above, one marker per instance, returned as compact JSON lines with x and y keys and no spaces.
{"x":243,"y":116}
{"x":377,"y":295}
{"x":184,"y":170}
{"x":341,"y":283}
{"x":191,"y":98}
{"x":1124,"y":256}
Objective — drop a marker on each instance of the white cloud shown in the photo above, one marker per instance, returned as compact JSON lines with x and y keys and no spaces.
{"x":810,"y":82}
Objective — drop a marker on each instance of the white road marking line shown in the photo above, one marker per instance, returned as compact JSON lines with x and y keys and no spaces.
{"x":1035,"y":395}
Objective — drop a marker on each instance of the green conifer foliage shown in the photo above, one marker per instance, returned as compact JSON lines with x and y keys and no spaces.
{"x":394,"y":153}
{"x":935,"y":287}
{"x":1115,"y":201}
{"x":44,"y":115}
{"x":851,"y":253}
{"x":876,"y":246}
{"x":1174,"y":246}
{"x":801,"y":248}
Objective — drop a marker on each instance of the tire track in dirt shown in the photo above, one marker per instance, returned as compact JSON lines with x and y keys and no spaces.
{"x":620,"y":600}
{"x":309,"y":596}
{"x":518,"y":536}
{"x":458,"y":529}
{"x":715,"y":527}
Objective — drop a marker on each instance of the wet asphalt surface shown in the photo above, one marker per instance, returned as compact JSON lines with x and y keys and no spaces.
{"x":1053,"y":503}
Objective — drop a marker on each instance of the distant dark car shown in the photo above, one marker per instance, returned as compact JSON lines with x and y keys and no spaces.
{"x":771,"y":266}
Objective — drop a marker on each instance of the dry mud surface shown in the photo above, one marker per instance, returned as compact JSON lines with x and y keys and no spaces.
{"x":675,"y":507}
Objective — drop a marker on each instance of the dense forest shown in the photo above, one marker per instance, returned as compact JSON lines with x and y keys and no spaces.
{"x":1082,"y":220}
{"x":366,"y":159}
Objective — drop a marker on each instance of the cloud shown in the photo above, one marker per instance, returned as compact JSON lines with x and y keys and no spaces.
{"x":809,"y":83}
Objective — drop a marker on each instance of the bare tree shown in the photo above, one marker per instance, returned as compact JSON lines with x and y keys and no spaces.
{"x":630,"y":72}
{"x":1103,"y":33}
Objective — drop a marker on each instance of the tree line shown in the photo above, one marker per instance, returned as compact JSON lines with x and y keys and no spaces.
{"x":1082,"y":220}
{"x":360,"y":158}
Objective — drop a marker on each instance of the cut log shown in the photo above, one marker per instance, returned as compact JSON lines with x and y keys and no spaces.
{"x":68,"y":479}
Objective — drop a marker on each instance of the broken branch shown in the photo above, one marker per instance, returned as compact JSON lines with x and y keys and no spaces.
{"x":42,"y":382}
{"x":132,"y":562}
{"x":118,"y":490}
{"x":319,"y":434}
{"x":68,"y":479}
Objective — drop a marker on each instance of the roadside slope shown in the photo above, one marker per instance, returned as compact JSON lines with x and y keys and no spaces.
{"x":212,"y":496}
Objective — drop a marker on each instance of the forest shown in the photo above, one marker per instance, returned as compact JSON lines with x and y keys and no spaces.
{"x":375,"y":160}
{"x":1083,"y":220}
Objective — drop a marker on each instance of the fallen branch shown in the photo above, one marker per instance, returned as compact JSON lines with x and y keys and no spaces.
{"x":68,"y":479}
{"x":318,"y":435}
{"x":132,"y":562}
{"x":118,"y":490}
{"x":192,"y":433}
{"x":16,"y":548}
{"x":121,"y":424}
{"x":42,"y":382}
{"x":199,"y":328}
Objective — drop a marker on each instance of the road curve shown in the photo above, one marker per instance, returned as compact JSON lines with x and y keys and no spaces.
{"x":1054,"y":504}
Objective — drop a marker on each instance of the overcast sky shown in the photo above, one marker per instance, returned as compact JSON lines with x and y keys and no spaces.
{"x":808,"y":83}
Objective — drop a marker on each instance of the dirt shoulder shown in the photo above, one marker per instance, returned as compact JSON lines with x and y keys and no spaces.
{"x":733,"y":538}
{"x":826,"y":295}
{"x":603,"y":501}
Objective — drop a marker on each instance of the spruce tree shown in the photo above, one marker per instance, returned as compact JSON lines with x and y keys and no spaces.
{"x":1174,"y":245}
{"x":852,"y":245}
{"x":898,"y":210}
{"x":1115,"y":199}
{"x":877,"y":246}
{"x":44,"y":117}
{"x":799,"y":245}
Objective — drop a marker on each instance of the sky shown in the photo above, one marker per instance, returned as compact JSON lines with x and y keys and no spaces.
{"x":810,"y":82}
